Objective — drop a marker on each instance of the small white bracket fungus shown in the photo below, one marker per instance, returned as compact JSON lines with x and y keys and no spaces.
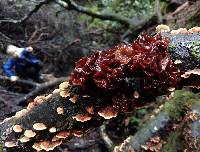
{"x":24,"y":139}
{"x":108,"y":113}
{"x":62,"y":135}
{"x":52,"y":129}
{"x":180,"y":31}
{"x":90,"y":110}
{"x":21,"y":113}
{"x":37,"y":146}
{"x":48,"y":146}
{"x":188,"y":73}
{"x":55,"y":138}
{"x":10,"y":144}
{"x":31,"y":105}
{"x":39,"y":126}
{"x":194,"y":30}
{"x":183,"y":31}
{"x":39,"y":99}
{"x":64,"y":85}
{"x":82,"y":117}
{"x":174,"y":32}
{"x":48,"y":96}
{"x":64,"y":94}
{"x":78,"y":133}
{"x":17,"y":128}
{"x":177,"y":61}
{"x":60,"y":110}
{"x":136,"y":94}
{"x":29,"y":133}
{"x":74,"y":99}
{"x":55,"y":144}
{"x":162,"y":28}
{"x":56,"y":91}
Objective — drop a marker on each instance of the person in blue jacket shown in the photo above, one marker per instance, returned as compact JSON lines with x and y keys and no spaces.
{"x":22,"y":64}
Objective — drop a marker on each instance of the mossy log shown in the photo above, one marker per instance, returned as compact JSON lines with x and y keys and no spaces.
{"x":69,"y":111}
{"x":166,"y":131}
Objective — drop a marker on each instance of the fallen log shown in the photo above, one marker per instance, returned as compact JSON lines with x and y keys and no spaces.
{"x":87,"y":100}
{"x":164,"y":132}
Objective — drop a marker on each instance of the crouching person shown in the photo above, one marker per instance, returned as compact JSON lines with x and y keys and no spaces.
{"x":22,"y":64}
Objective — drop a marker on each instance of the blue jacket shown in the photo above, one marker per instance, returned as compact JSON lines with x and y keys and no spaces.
{"x":19,"y":63}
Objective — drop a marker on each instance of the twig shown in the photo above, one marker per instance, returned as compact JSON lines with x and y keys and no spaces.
{"x":108,"y":142}
{"x":33,"y":36}
{"x":180,"y":8}
{"x":70,"y":44}
{"x":5,"y":36}
{"x":21,"y":81}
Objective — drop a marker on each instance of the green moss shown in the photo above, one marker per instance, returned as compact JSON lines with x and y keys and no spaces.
{"x":175,"y":107}
{"x":1,"y":149}
{"x":172,"y":46}
{"x":195,"y":46}
{"x":94,"y":9}
{"x":175,"y":142}
{"x":163,"y":7}
{"x":196,"y":54}
{"x":14,"y":121}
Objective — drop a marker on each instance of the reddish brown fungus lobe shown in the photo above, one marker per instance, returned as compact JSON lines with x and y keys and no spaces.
{"x":144,"y":66}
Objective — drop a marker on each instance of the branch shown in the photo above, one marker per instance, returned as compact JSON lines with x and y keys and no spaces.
{"x":71,"y":5}
{"x":27,"y":16}
{"x":71,"y":43}
{"x":108,"y":142}
{"x":180,"y":8}
{"x":19,"y":81}
{"x":5,"y":36}
{"x":37,"y":31}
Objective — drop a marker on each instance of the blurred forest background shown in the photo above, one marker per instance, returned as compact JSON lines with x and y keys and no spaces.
{"x":62,"y":31}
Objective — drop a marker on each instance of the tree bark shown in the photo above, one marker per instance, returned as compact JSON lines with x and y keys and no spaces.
{"x":71,"y":113}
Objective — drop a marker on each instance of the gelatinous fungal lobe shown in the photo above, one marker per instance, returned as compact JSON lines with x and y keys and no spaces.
{"x":101,"y":69}
{"x":154,"y":63}
{"x":125,"y":71}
